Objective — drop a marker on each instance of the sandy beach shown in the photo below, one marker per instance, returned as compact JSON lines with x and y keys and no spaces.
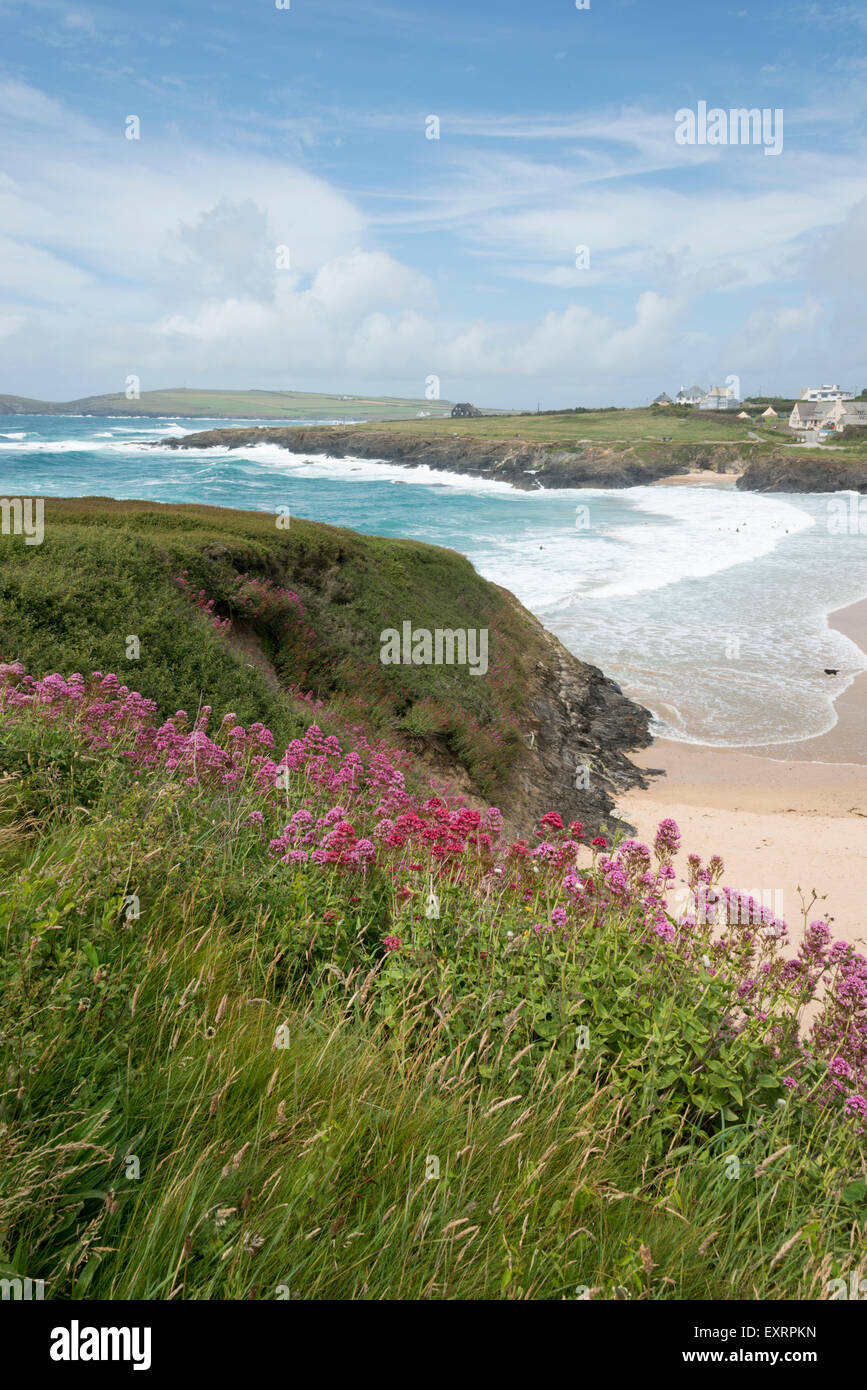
{"x":783,"y":817}
{"x":706,"y":478}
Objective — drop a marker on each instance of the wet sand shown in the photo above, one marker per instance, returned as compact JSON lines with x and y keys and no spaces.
{"x":783,"y":817}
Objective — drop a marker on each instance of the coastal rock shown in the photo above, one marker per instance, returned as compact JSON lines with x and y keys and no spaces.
{"x":525,"y":466}
{"x":814,"y":471}
{"x":581,"y":727}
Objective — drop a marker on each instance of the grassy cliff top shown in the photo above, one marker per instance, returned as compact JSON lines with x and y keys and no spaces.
{"x":648,"y":432}
{"x":231,"y":405}
{"x":189,"y":604}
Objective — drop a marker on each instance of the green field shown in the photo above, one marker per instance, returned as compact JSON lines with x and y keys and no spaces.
{"x":648,"y":431}
{"x":615,"y":427}
{"x":232,"y":405}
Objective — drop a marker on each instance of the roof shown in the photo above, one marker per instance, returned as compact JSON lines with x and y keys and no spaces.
{"x":810,"y":410}
{"x":661,"y":397}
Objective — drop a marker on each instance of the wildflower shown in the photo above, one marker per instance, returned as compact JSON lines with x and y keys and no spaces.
{"x":838,"y":1066}
{"x":392,"y":943}
{"x":667,"y":840}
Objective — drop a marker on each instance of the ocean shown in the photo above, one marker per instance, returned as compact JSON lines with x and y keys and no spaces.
{"x":710,"y":606}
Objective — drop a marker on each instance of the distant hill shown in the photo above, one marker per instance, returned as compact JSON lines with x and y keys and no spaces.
{"x":233,"y":405}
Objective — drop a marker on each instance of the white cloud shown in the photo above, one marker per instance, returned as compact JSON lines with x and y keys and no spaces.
{"x":158,"y":257}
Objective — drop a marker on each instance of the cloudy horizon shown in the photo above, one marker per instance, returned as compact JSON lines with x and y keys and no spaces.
{"x":284,"y":222}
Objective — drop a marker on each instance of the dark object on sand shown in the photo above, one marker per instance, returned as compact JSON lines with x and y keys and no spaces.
{"x":831,"y":670}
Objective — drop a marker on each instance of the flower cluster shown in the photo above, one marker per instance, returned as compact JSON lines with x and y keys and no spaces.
{"x":323,"y":809}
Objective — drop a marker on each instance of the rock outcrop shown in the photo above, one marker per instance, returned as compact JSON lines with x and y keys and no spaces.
{"x":812,"y":471}
{"x":524,"y":466}
{"x":581,"y":727}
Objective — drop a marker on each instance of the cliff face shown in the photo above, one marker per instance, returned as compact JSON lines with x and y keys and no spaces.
{"x":516,"y":740}
{"x":812,"y":471}
{"x":524,"y":466}
{"x":530,"y":466}
{"x":581,"y":728}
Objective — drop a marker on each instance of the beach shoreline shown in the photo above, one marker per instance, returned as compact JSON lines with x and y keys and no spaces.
{"x":783,"y":817}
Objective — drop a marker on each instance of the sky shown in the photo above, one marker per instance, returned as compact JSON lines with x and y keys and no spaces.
{"x":284,"y":219}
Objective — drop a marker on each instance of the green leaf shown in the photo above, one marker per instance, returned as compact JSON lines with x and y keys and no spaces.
{"x":855,"y":1192}
{"x":90,"y":954}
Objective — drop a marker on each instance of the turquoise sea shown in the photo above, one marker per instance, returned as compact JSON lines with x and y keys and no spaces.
{"x":708,"y":605}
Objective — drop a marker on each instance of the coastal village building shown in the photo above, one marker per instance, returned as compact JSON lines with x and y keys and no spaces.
{"x":662,"y":399}
{"x":808,"y":415}
{"x":836,"y":415}
{"x":720,"y":398}
{"x":852,"y":413}
{"x":694,"y":396}
{"x":826,"y":393}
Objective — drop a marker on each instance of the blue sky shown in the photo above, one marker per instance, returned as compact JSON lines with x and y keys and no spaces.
{"x":410,"y":257}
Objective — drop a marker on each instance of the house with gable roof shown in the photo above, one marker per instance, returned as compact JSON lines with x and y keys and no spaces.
{"x":694,"y":396}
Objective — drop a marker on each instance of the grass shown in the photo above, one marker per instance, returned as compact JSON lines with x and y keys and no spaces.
{"x":106,"y":571}
{"x":615,"y":427}
{"x":254,"y":405}
{"x":679,"y":434}
{"x":228,"y":1073}
{"x":235,"y":1095}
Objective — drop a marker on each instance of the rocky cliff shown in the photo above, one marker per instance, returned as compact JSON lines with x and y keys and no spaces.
{"x":813,"y":470}
{"x":529,"y":466}
{"x":525,"y":466}
{"x":581,"y":728}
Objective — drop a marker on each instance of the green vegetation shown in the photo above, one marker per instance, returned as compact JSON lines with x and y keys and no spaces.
{"x":231,"y":405}
{"x":676,"y":433}
{"x":568,"y":430}
{"x":107,"y":570}
{"x":280,"y":1025}
{"x":233,"y":1074}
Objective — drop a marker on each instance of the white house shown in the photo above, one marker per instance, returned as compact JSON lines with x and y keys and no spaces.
{"x":829,"y":415}
{"x":694,"y":396}
{"x":826,"y":393}
{"x":855,"y":413}
{"x":720,"y":398}
{"x":811,"y":415}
